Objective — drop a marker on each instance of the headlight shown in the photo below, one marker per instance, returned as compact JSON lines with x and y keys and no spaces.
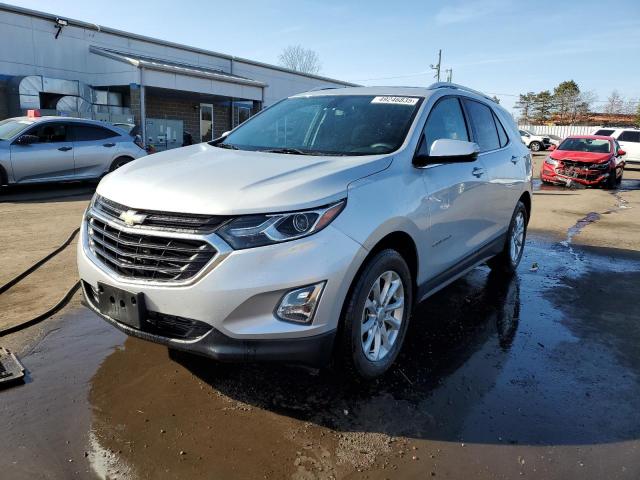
{"x":551,"y":161}
{"x":599,"y":166}
{"x":258,"y":230}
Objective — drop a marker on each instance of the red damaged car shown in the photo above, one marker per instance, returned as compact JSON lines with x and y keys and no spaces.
{"x":585,"y":159}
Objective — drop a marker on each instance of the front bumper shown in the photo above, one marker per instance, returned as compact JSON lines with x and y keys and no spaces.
{"x":584,"y":177}
{"x":314,"y":351}
{"x":237,"y":297}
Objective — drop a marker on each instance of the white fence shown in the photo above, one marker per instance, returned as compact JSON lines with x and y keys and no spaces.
{"x":561,"y":131}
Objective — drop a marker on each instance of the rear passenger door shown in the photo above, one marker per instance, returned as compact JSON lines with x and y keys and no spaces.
{"x":504,"y":163}
{"x":95,"y":148}
{"x":454,"y":193}
{"x":629,"y":140}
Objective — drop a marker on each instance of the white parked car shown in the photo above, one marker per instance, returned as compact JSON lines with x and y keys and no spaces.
{"x":312,"y":229}
{"x":628,"y":139}
{"x":535,"y":143}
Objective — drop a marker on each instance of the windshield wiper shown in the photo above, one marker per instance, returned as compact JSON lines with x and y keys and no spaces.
{"x":225,"y":145}
{"x":291,"y":151}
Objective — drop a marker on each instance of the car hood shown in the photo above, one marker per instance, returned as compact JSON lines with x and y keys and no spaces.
{"x":211,"y":180}
{"x":587,"y":157}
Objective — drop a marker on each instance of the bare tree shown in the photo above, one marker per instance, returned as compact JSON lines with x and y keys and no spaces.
{"x":630,"y":106}
{"x":300,"y":59}
{"x":615,"y":103}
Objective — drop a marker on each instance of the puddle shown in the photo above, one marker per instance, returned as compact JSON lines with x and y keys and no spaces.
{"x":45,"y":422}
{"x":541,"y":363}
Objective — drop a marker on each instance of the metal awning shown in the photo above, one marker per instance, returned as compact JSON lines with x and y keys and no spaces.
{"x":161,"y":65}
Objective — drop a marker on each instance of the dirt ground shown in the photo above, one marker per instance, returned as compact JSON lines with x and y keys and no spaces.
{"x":535,"y":377}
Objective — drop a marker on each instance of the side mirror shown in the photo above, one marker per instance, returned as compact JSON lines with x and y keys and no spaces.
{"x":552,"y":147}
{"x":445,"y":150}
{"x":225,"y":134}
{"x":621,"y":152}
{"x":27,"y":139}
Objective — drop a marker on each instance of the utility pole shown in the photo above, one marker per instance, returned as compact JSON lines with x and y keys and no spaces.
{"x":437,"y":66}
{"x":449,"y":72}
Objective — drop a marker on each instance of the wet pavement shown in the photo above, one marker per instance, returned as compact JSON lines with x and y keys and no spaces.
{"x":538,"y":375}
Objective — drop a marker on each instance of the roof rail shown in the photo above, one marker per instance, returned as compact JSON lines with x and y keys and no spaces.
{"x":433,"y":86}
{"x":317,"y":89}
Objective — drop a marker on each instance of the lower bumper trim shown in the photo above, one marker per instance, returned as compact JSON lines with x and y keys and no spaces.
{"x":315,"y":351}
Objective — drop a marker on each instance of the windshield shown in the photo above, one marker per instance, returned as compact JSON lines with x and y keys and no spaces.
{"x":10,"y":127}
{"x":585,"y":145}
{"x":328,"y":125}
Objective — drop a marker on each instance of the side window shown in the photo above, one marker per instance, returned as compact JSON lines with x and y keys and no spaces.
{"x":630,"y":136}
{"x":85,"y":133}
{"x":502,"y":134}
{"x":50,"y":133}
{"x":445,"y":121}
{"x":604,"y":132}
{"x":484,"y":128}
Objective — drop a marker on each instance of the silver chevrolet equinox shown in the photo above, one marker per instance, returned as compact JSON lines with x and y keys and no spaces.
{"x":311,"y":230}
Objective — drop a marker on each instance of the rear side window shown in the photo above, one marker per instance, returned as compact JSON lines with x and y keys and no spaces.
{"x":604,"y":132}
{"x":502,"y":134}
{"x":50,"y":133}
{"x":445,"y":121}
{"x":86,"y":133}
{"x":630,"y":136}
{"x":484,"y":127}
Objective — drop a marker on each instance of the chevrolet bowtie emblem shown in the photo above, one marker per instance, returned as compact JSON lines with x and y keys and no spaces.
{"x":131,"y":217}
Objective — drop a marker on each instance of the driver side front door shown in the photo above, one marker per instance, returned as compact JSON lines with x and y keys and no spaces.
{"x":49,"y":159}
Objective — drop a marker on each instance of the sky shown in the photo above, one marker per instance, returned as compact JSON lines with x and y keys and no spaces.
{"x":501,"y":47}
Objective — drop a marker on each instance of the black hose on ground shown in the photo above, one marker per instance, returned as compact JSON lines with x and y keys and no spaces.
{"x":39,"y":263}
{"x":43,"y":316}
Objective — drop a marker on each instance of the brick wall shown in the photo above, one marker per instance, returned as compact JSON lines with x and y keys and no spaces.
{"x":134,"y":103}
{"x":221,"y":118}
{"x":183,"y":109}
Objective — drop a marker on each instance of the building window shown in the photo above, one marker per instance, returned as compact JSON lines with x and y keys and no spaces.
{"x":206,"y":122}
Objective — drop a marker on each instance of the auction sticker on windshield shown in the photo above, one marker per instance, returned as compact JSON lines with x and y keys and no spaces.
{"x":396,"y":100}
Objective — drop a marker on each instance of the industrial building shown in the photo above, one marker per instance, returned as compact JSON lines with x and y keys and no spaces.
{"x":70,"y":67}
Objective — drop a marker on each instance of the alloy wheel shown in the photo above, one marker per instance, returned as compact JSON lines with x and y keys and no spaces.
{"x":517,"y":237}
{"x":382,"y":316}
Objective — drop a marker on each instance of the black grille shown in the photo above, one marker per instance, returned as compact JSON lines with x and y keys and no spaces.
{"x":172,"y":326}
{"x":147,"y":257}
{"x":156,"y":323}
{"x":177,"y":222}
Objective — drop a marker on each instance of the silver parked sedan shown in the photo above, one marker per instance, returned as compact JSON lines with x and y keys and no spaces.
{"x":51,"y":149}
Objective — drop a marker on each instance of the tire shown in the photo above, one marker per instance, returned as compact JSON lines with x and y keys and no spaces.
{"x":619,"y":179}
{"x":611,"y":182}
{"x":119,"y":162}
{"x":507,"y":261}
{"x":385,"y":268}
{"x":535,"y":146}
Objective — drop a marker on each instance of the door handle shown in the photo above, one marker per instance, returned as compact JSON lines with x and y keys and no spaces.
{"x":65,"y":149}
{"x":514,"y":159}
{"x":478,"y":172}
{"x":109,"y":145}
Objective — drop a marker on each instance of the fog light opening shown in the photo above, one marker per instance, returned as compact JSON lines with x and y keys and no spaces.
{"x":300,"y":305}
